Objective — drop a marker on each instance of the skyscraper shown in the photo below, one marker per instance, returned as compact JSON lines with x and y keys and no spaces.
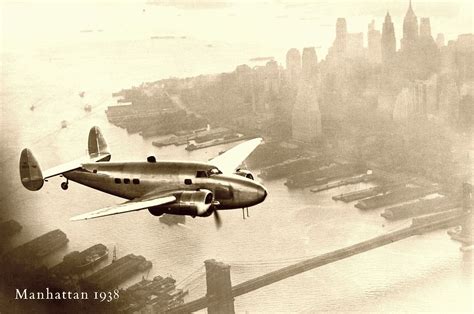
{"x":374,"y":43}
{"x":425,"y":27}
{"x":388,"y":40}
{"x":440,"y":40}
{"x":293,"y":66}
{"x":306,"y":117}
{"x":428,"y":51}
{"x":341,"y":36}
{"x":309,"y":63}
{"x":410,"y":30}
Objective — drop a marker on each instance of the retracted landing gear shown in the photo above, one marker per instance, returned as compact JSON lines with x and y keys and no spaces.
{"x":65,"y":185}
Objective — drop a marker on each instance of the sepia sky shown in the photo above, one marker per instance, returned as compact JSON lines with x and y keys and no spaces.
{"x":274,"y":25}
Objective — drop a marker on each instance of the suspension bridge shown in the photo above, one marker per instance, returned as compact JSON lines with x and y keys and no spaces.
{"x":220,"y":292}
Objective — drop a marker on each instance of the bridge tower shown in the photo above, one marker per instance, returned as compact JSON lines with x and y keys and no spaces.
{"x":219,"y":287}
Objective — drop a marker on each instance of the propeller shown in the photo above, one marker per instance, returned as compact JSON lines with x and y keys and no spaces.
{"x":217,"y":219}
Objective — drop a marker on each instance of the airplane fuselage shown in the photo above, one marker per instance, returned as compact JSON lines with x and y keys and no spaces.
{"x":132,"y":180}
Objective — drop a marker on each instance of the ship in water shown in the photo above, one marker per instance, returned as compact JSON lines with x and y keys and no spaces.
{"x":167,"y":37}
{"x":92,"y":256}
{"x":77,"y":262}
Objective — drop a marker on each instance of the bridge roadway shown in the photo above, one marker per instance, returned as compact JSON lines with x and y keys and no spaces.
{"x":292,"y":270}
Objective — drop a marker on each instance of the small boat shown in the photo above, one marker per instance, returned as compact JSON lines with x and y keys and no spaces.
{"x":87,"y":108}
{"x":63,"y":124}
{"x":163,"y":37}
{"x":81,"y":94}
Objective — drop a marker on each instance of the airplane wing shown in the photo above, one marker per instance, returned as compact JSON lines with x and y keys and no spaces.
{"x":231,"y":159}
{"x":130,"y":206}
{"x":72,"y":165}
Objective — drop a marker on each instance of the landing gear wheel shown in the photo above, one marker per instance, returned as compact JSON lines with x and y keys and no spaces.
{"x":64,"y":186}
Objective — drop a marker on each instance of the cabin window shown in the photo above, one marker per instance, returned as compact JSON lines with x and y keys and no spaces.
{"x":188,"y":181}
{"x":126,"y":181}
{"x":118,"y":181}
{"x":201,"y":174}
{"x":136,"y":181}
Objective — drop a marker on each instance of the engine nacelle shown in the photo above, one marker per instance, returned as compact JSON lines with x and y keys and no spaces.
{"x":191,"y":203}
{"x":244,"y":173}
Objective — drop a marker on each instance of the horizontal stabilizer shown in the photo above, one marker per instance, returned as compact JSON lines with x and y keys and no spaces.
{"x":72,"y":165}
{"x":126,"y":207}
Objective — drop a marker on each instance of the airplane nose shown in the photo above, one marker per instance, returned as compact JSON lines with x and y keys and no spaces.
{"x":262,"y":193}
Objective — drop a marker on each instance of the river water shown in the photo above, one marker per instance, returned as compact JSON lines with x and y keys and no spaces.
{"x":51,"y":52}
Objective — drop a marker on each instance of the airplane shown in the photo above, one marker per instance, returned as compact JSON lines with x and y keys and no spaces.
{"x":163,"y":187}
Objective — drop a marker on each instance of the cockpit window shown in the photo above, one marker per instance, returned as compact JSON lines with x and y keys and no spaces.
{"x":213,"y":171}
{"x":201,"y":174}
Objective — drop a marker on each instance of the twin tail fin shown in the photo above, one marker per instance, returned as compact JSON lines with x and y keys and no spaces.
{"x":32,"y":177}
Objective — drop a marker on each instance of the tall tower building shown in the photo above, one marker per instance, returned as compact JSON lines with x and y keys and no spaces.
{"x":388,"y":40}
{"x":306,"y":117}
{"x":309,"y":63}
{"x":293,"y":66}
{"x":410,"y":29}
{"x":374,"y":43}
{"x":425,"y":27}
{"x":440,"y":40}
{"x":428,"y":51}
{"x":341,"y":36}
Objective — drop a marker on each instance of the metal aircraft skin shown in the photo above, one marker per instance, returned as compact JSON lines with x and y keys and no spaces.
{"x":171,"y":187}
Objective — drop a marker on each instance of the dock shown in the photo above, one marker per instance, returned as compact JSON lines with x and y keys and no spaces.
{"x":366,"y":193}
{"x":358,"y":195}
{"x":115,"y":273}
{"x":33,"y":251}
{"x":159,"y":294}
{"x":420,"y":207}
{"x":396,"y":196}
{"x":292,"y":166}
{"x":352,"y":180}
{"x":171,"y":140}
{"x":325,"y":174}
{"x":215,"y":142}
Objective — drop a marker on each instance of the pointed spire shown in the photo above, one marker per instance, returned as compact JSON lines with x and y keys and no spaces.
{"x":410,"y":13}
{"x":410,"y":8}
